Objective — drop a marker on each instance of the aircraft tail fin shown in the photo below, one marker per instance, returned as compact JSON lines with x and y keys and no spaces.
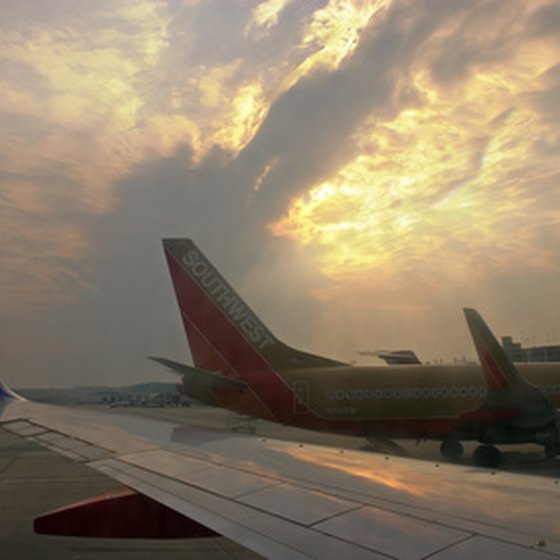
{"x":506,"y":386}
{"x":499,"y":371}
{"x":224,"y":334}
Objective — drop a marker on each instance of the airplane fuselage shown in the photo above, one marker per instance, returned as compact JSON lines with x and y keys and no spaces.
{"x":494,"y":402}
{"x":405,"y":401}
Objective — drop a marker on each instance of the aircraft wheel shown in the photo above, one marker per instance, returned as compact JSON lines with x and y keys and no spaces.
{"x":551,"y":450}
{"x":452,"y":450}
{"x":552,"y":442}
{"x":487,"y":456}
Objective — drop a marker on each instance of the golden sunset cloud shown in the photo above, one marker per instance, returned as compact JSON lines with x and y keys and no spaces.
{"x":445,"y":180}
{"x":402,"y":153}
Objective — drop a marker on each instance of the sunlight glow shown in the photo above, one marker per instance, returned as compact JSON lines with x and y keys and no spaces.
{"x":266,"y":14}
{"x":445,"y":175}
{"x":448,"y":172}
{"x":248,"y":109}
{"x":355,"y":465}
{"x":332,"y":35}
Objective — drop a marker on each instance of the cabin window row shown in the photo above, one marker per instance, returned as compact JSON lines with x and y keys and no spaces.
{"x":380,"y":393}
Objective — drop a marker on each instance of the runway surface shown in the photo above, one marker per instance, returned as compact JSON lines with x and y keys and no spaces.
{"x":34,"y":480}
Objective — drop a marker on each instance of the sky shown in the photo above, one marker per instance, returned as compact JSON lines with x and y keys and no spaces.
{"x":359,"y":170}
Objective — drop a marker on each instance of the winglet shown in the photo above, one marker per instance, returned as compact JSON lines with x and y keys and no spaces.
{"x":7,"y":394}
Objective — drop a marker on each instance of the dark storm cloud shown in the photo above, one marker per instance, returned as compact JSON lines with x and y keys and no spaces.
{"x":213,"y":35}
{"x":61,"y":15}
{"x":209,"y":30}
{"x":546,"y":101}
{"x":24,"y":126}
{"x":484,"y":34}
{"x":128,"y":310}
{"x":308,"y":132}
{"x":132,"y":312}
{"x":546,"y":21}
{"x":25,"y":78}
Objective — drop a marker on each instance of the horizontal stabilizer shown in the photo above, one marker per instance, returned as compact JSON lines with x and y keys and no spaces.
{"x":201,"y":377}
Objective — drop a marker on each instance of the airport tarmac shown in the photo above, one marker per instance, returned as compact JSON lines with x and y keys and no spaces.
{"x":519,"y":458}
{"x":34,"y":480}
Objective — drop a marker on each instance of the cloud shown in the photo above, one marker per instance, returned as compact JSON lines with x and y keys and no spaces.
{"x":477,"y":39}
{"x":309,"y":131}
{"x":380,"y":161}
{"x":128,"y":310}
{"x":463,"y":154}
{"x":265,"y":15}
{"x":545,"y":99}
{"x":545,"y":21}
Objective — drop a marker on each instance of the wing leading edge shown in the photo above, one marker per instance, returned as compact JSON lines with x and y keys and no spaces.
{"x":283,"y":500}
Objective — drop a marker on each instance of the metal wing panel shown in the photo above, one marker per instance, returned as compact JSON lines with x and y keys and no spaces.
{"x":377,"y":530}
{"x":403,"y":537}
{"x":302,"y":505}
{"x":283,"y":500}
{"x":216,"y":478}
{"x":267,"y":534}
{"x":483,"y":547}
{"x":106,"y":431}
{"x":25,"y":429}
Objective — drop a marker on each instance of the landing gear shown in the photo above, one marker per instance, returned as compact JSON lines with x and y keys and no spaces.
{"x":487,"y":456}
{"x":549,"y":439}
{"x":451,"y":449}
{"x":380,"y":444}
{"x":551,"y":450}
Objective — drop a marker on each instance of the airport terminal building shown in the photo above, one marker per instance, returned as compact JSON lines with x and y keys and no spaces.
{"x":517,"y":353}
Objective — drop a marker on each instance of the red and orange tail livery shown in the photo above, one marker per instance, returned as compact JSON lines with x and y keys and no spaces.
{"x":225,"y":335}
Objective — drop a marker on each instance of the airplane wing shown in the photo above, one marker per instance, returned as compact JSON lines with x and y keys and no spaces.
{"x":288,"y":500}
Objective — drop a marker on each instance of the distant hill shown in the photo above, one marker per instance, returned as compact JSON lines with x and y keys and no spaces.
{"x":96,"y":394}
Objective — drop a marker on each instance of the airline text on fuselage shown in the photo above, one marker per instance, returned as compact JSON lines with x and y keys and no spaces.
{"x":227,"y":299}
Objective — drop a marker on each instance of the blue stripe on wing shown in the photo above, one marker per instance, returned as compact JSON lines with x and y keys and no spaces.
{"x":6,"y":393}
